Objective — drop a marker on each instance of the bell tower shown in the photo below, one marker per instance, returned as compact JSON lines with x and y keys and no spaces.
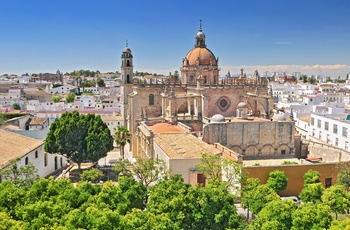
{"x":127,"y":67}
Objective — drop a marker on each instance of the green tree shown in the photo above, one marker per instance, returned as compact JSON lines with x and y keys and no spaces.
{"x":6,"y":222}
{"x":100,"y":82}
{"x":92,"y":175}
{"x":340,"y":225}
{"x":337,"y":198}
{"x":343,"y":177}
{"x":311,"y":177}
{"x":122,"y":137}
{"x":20,"y":176}
{"x":16,"y":106}
{"x":79,"y":137}
{"x":248,"y":187}
{"x":150,"y":171}
{"x":311,"y":216}
{"x":312,"y":193}
{"x":304,"y":77}
{"x":56,"y":98}
{"x":277,"y":180}
{"x":276,"y":213}
{"x":70,"y":97}
{"x":210,"y":166}
{"x":260,"y":196}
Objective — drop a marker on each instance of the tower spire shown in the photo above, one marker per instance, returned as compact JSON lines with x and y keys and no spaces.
{"x":200,"y":25}
{"x":127,"y":43}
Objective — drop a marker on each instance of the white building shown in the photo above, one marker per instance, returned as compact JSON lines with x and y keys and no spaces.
{"x":28,"y":150}
{"x":331,"y":128}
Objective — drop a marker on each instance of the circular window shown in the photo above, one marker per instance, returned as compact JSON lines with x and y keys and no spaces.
{"x":224,"y":103}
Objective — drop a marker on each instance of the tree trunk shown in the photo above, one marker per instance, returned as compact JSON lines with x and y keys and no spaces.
{"x":79,"y":167}
{"x":122,"y":152}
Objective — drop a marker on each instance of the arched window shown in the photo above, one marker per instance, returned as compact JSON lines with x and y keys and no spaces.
{"x":127,"y":63}
{"x":151,"y":99}
{"x":36,"y":154}
{"x":45,"y":159}
{"x":26,"y":161}
{"x":56,"y":163}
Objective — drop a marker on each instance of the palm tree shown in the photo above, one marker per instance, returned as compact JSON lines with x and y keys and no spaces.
{"x":121,"y":137}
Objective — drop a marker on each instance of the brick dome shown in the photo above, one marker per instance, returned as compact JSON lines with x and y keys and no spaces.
{"x":204,"y":55}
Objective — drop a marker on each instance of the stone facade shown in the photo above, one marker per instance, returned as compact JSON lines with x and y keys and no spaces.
{"x":252,"y":138}
{"x":197,"y":96}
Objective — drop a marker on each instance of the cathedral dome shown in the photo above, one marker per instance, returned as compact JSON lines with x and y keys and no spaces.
{"x":217,"y":118}
{"x":201,"y":54}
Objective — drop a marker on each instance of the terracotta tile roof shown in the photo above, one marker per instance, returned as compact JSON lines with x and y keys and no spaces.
{"x":166,"y":128}
{"x":38,"y":121}
{"x":15,"y":146}
{"x":180,"y":146}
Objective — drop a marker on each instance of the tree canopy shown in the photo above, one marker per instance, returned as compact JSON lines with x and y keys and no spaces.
{"x":79,"y":137}
{"x":277,"y":180}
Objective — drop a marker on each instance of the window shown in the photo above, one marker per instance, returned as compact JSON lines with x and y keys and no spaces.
{"x":283,"y":152}
{"x":201,"y":179}
{"x":318,"y":123}
{"x":36,"y":154}
{"x":45,"y":159}
{"x":312,"y":121}
{"x":26,"y":161}
{"x":56,"y":163}
{"x":326,"y":125}
{"x":346,"y":145}
{"x":151,"y":99}
{"x":328,"y":182}
{"x":335,"y":129}
{"x":345,"y":132}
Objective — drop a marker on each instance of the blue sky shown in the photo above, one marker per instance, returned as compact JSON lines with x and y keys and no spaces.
{"x":311,"y":36}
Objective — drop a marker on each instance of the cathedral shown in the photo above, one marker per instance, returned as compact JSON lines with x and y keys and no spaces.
{"x":193,"y":100}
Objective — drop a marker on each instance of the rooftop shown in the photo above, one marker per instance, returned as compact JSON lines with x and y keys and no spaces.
{"x":162,"y":128}
{"x":182,"y":146}
{"x":15,"y":146}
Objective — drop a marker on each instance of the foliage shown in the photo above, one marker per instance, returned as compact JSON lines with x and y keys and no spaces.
{"x":311,"y":177}
{"x":259,"y":197}
{"x":123,"y":167}
{"x":79,"y":137}
{"x":277,"y":180}
{"x":179,"y":206}
{"x":70,"y":97}
{"x":276,"y":213}
{"x":311,"y":216}
{"x":150,"y":171}
{"x":2,"y":120}
{"x":7,"y":116}
{"x":312,"y":193}
{"x":89,"y":93}
{"x":248,"y":187}
{"x":100,"y":82}
{"x":16,"y":106}
{"x":20,"y":176}
{"x":343,"y":177}
{"x":7,"y":223}
{"x":289,"y":163}
{"x":122,"y":137}
{"x":340,"y":225}
{"x":56,"y":98}
{"x":91,"y":175}
{"x":221,"y":169}
{"x":210,"y":166}
{"x":337,"y":198}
